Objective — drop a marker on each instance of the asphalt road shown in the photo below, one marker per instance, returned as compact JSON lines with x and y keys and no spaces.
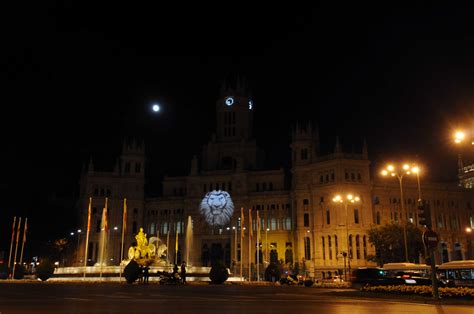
{"x":227,"y":299}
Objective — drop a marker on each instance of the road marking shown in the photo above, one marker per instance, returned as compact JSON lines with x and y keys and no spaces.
{"x":76,"y":299}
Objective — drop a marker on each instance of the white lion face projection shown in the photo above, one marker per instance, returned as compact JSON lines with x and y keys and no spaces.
{"x":217,"y":208}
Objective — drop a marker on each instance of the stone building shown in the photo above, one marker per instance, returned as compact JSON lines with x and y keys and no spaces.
{"x":300,"y":223}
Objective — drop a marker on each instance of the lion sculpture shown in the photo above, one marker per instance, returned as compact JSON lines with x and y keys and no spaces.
{"x":217,"y":208}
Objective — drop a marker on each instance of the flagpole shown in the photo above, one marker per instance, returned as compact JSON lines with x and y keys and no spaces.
{"x":250,"y":242}
{"x":87,"y":236}
{"x":124,"y":226}
{"x":16,"y":246}
{"x":258,"y":248}
{"x":25,"y":228}
{"x":104,"y":223}
{"x":241,"y":242}
{"x":168,"y":245}
{"x":11,"y":243}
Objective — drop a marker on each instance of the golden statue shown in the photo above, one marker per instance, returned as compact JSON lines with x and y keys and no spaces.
{"x":141,"y":239}
{"x":145,"y":253}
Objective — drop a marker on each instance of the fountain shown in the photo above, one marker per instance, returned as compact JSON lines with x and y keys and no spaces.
{"x":150,"y":252}
{"x":102,"y":260}
{"x":189,"y":239}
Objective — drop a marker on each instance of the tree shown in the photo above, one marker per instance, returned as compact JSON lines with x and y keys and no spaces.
{"x":389,"y":243}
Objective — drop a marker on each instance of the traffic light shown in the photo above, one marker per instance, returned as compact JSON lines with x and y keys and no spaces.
{"x":424,"y":214}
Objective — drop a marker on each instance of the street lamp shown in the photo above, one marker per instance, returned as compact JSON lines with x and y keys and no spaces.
{"x":235,"y":249}
{"x":400,"y":172}
{"x":348,"y":199}
{"x":266,"y":244}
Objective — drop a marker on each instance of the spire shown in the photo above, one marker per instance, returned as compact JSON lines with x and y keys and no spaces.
{"x":365,"y":151}
{"x":90,"y":166}
{"x":338,"y":148}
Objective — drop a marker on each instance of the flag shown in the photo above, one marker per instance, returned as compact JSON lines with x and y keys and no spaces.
{"x":124,"y":215}
{"x":104,"y":220}
{"x":250,"y":224}
{"x":176,"y":245}
{"x":18,"y":231}
{"x":89,"y":216}
{"x":242,"y":220}
{"x":13,"y":228}
{"x":25,"y":230}
{"x":106,"y":225}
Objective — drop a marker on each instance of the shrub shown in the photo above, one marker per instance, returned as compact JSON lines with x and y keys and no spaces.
{"x":19,"y":272}
{"x":308,"y":283}
{"x":131,"y":271}
{"x":218,"y":273}
{"x":272,"y":273}
{"x":45,"y":269}
{"x":4,"y":271}
{"x":458,"y":292}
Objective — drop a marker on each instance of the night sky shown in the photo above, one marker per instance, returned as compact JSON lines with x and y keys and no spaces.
{"x":77,"y":79}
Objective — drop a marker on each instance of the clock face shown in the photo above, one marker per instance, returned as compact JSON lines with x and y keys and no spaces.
{"x":229,"y":101}
{"x":250,"y":104}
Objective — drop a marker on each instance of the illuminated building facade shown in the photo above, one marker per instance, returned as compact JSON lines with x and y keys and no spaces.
{"x":300,"y":224}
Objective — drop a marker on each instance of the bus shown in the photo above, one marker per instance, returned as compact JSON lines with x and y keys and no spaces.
{"x":391,"y":269}
{"x":457,"y":273}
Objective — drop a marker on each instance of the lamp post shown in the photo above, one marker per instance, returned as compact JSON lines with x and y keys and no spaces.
{"x":235,"y":249}
{"x":79,"y":231}
{"x":346,"y":200}
{"x":266,"y":244}
{"x":399,"y":174}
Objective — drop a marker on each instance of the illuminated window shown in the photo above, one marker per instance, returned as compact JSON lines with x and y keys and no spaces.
{"x":306,"y":220}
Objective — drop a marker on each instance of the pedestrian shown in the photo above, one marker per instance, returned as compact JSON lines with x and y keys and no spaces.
{"x":183,"y":272}
{"x":140,"y":274}
{"x":146,"y":274}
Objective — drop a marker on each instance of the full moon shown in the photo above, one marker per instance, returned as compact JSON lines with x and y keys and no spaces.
{"x":156,"y":108}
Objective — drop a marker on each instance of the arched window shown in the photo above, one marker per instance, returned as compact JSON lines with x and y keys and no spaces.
{"x":350,"y":246}
{"x":323,"y":247}
{"x":330,"y":247}
{"x":358,"y":246}
{"x":307,"y":248}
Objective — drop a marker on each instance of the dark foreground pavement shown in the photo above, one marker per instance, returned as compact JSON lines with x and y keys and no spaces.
{"x":226,"y":299}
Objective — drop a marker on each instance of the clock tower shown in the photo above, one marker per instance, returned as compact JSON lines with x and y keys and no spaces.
{"x":233,"y":147}
{"x":234,"y":113}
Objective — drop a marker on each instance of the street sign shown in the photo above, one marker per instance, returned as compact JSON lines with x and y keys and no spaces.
{"x":430,"y":239}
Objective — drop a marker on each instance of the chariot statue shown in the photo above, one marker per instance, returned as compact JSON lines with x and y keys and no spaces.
{"x":147,"y":253}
